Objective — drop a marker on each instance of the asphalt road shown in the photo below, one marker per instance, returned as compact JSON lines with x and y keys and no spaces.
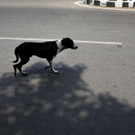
{"x":94,"y":94}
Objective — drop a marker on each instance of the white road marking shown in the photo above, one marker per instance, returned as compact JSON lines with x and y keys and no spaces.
{"x":98,"y":42}
{"x":76,"y":41}
{"x":81,"y":4}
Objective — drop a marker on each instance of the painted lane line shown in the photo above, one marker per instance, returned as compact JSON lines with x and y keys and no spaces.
{"x":98,"y":42}
{"x":24,"y":39}
{"x":77,"y":41}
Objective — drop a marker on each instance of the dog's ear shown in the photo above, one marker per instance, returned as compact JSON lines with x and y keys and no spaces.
{"x":65,"y":39}
{"x":62,"y":41}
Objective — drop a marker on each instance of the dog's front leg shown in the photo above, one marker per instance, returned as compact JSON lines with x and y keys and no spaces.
{"x":52,"y":68}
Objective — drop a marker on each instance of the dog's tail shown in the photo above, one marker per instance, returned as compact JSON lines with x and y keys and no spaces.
{"x":17,"y":56}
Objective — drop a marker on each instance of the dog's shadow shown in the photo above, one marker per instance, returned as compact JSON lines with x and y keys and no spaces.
{"x":63,"y":104}
{"x":37,"y":68}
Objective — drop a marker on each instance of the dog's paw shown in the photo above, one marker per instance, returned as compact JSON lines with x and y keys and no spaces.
{"x":24,"y":74}
{"x":56,"y":72}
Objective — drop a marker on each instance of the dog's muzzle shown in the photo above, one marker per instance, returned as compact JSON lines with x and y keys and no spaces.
{"x":75,"y":47}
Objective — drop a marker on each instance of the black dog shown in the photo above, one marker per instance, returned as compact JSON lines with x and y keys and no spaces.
{"x":47,"y":50}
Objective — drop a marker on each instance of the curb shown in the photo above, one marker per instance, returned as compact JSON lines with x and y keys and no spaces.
{"x":112,"y":3}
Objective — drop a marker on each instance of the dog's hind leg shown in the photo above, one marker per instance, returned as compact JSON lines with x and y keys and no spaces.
{"x":52,"y":68}
{"x":14,"y":66}
{"x":19,"y":66}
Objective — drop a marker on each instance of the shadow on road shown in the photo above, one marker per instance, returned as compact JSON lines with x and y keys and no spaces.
{"x":48,"y":104}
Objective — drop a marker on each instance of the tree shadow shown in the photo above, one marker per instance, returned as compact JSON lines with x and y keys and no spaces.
{"x":48,"y":104}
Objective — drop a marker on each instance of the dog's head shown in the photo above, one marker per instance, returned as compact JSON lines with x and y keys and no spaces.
{"x":68,"y":43}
